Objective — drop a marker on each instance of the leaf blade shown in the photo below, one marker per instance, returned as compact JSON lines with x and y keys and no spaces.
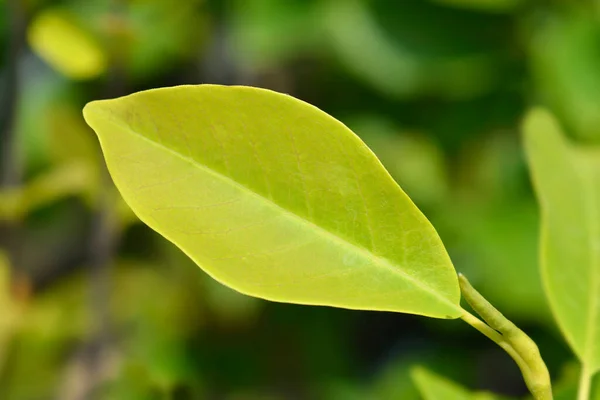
{"x":303,"y":223}
{"x":567,"y":181}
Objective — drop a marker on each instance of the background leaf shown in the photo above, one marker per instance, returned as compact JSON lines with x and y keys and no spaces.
{"x":434,"y":387}
{"x":263,"y":192}
{"x":565,"y":58}
{"x":567,"y":180}
{"x":56,"y":38}
{"x":389,"y":48}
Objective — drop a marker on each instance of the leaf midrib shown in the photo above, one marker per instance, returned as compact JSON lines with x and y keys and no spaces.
{"x":379,"y":261}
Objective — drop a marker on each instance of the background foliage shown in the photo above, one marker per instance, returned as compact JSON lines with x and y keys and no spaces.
{"x":95,"y":305}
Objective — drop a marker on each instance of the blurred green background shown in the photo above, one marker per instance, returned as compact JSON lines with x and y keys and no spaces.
{"x":94,"y":305}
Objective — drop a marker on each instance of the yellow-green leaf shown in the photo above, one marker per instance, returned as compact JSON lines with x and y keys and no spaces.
{"x":435,"y":387}
{"x":567,"y":182}
{"x":274,"y":198}
{"x":56,"y":38}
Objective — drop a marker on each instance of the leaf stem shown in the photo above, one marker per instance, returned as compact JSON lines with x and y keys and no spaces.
{"x":482,"y":327}
{"x":585,"y":380}
{"x":510,"y":338}
{"x":493,"y":335}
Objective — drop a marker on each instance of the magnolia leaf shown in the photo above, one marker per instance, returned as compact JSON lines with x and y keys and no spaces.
{"x":435,"y":387}
{"x":567,"y":181}
{"x":274,"y":198}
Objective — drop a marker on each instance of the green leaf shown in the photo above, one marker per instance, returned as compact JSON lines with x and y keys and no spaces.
{"x":434,"y":387}
{"x":394,"y":381}
{"x":274,"y":198}
{"x":567,"y":181}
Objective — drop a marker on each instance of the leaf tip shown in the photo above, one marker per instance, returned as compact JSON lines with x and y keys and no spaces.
{"x":462,"y":280}
{"x":541,"y":129}
{"x":417,"y":371}
{"x":91,"y":110}
{"x":89,"y":107}
{"x":537,"y":119}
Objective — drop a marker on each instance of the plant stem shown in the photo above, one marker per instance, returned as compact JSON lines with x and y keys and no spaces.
{"x":494,"y":336}
{"x":510,"y":338}
{"x":585,"y":380}
{"x":482,"y":327}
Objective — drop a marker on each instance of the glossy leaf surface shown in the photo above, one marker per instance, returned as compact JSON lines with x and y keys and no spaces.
{"x":567,"y":181}
{"x":274,"y":198}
